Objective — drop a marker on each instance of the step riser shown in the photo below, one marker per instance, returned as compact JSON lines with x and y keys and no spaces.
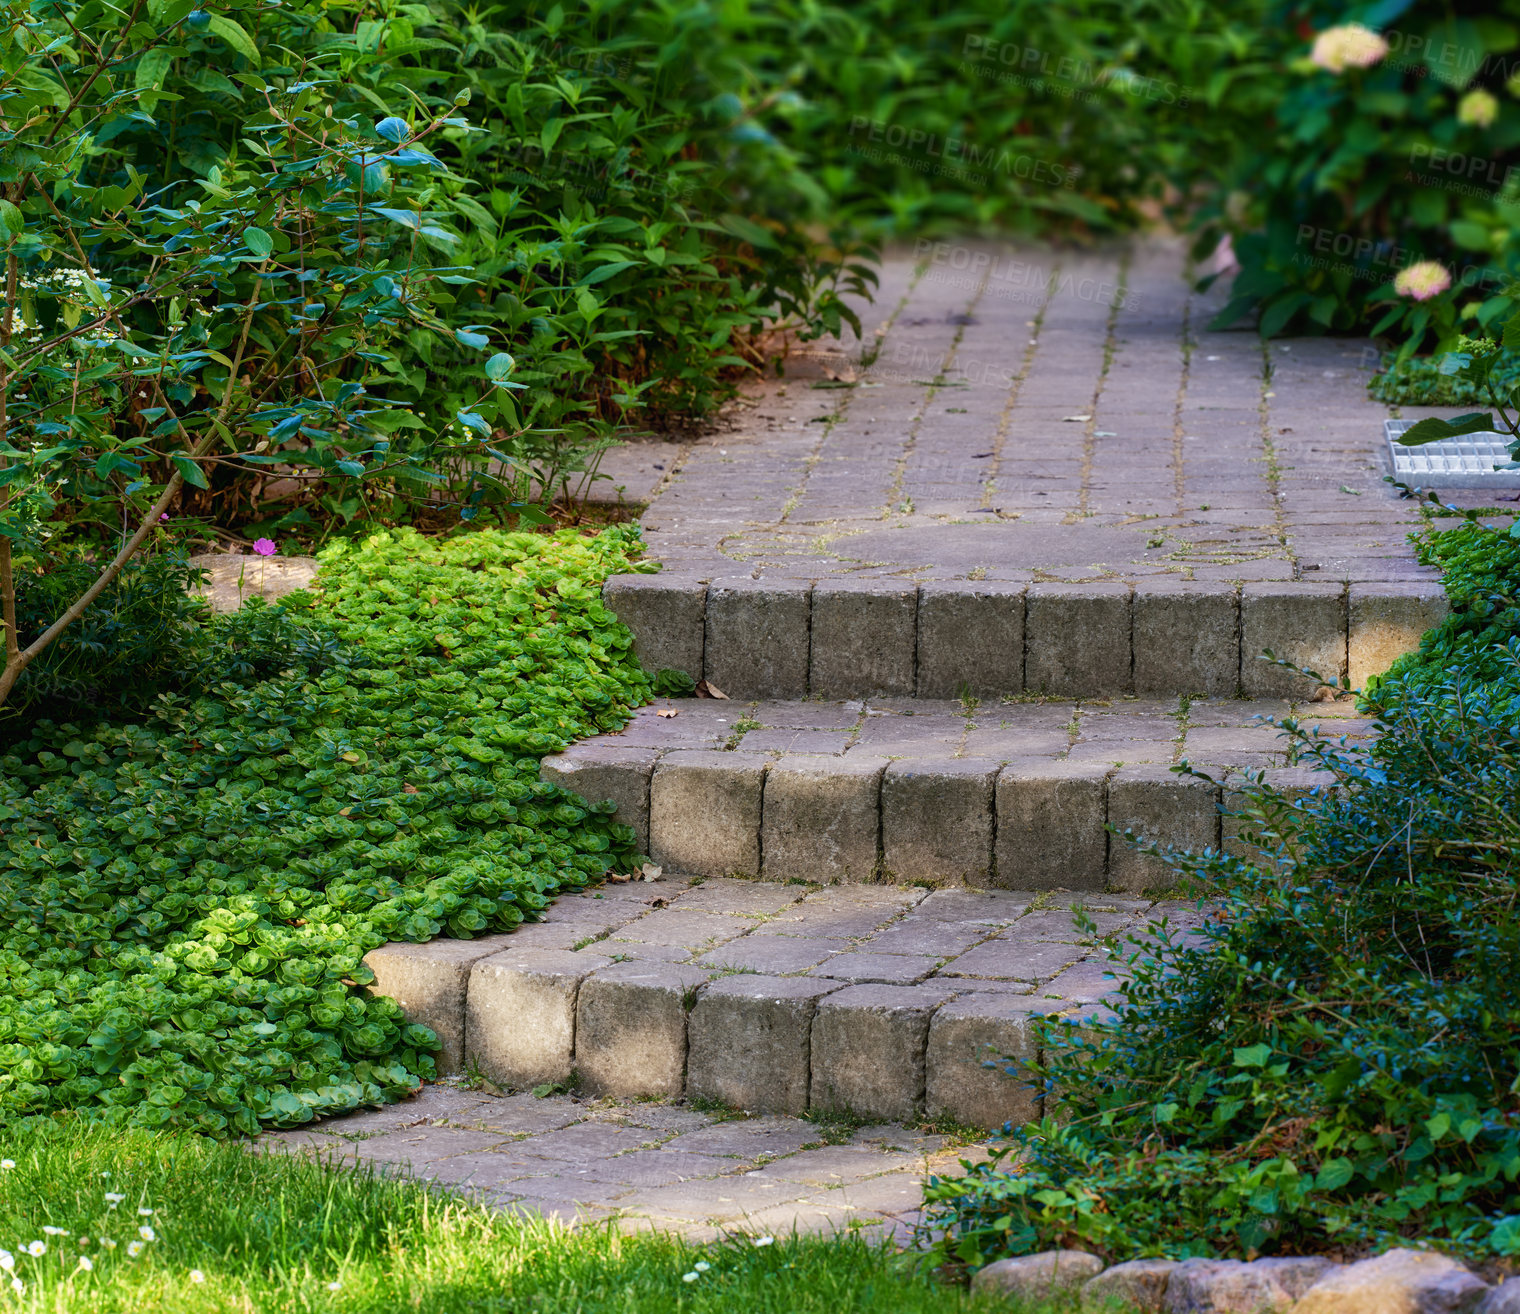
{"x":1031,"y":825}
{"x":856,"y":639}
{"x":530,"y":1009}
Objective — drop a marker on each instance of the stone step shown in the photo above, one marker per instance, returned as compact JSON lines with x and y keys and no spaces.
{"x":833,"y":638}
{"x":998,"y":795}
{"x":769,"y":997}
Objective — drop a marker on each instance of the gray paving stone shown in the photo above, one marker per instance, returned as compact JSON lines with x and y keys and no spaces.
{"x":749,"y":1140}
{"x":1385,"y":621}
{"x":520,"y":1014}
{"x":868,"y":1049}
{"x":681,"y":926}
{"x":750,"y":1042}
{"x":1028,"y":961}
{"x":1301,"y":623}
{"x":965,"y":1036}
{"x":423,"y":1145}
{"x":1050,"y":819}
{"x":704,"y":813}
{"x":984,"y":908}
{"x":606,"y":772}
{"x":1173,"y":810}
{"x":1092,"y":982}
{"x":822,"y":818}
{"x":663,"y":1167}
{"x":971,"y":638}
{"x":428,"y":981}
{"x":878,"y":969}
{"x":1077,"y":639}
{"x":630,"y":1021}
{"x":665,"y":614}
{"x":744,"y":898}
{"x":771,"y":955}
{"x":1186,"y":638}
{"x":757,"y":637}
{"x":922,"y":937}
{"x":863,"y":638}
{"x":836,"y":919}
{"x":937,"y":819}
{"x":584,"y":1143}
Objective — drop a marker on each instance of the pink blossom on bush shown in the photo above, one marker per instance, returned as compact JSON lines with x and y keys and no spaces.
{"x":1422,"y":281}
{"x":1351,"y":45}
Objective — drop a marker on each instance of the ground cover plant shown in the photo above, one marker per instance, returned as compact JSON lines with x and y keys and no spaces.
{"x":283,"y":1234}
{"x":1332,"y":1068}
{"x":185,"y":899}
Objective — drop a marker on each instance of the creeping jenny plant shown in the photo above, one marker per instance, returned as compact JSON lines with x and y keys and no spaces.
{"x":185,"y":902}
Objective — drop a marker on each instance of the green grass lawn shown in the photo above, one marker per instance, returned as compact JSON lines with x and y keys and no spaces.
{"x":235,"y":1231}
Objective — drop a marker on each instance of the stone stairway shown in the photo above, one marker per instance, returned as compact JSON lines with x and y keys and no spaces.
{"x":967,"y":597}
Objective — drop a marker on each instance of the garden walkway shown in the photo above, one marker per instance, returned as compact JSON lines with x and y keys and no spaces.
{"x":1018,"y":414}
{"x":972,"y":592}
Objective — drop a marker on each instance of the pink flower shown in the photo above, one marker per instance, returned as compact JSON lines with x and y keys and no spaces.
{"x":1426,"y":279}
{"x":1350,"y":45}
{"x":264,"y":547}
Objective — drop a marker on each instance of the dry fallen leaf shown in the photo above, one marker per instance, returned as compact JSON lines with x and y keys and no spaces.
{"x":650,"y":872}
{"x":410,"y":789}
{"x":1075,"y":419}
{"x":667,"y":711}
{"x":706,"y":689}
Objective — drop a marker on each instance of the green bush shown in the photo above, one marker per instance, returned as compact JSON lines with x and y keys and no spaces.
{"x":125,"y":650}
{"x":1480,"y":570}
{"x":1339,"y":179}
{"x":1333,"y":1064}
{"x":185,"y":901}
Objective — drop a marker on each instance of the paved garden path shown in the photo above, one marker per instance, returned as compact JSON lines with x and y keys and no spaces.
{"x":647,"y":1164}
{"x":1018,"y":414}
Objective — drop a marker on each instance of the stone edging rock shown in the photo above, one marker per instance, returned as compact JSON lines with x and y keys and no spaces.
{"x":1398,"y":1282}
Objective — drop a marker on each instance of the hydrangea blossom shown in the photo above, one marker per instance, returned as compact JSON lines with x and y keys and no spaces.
{"x":1478,"y":109}
{"x":1423,"y":280}
{"x":1350,"y":45}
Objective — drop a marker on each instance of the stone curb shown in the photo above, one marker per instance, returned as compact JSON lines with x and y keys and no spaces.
{"x":859,"y":638}
{"x":759,"y":1043}
{"x":1034,"y":824}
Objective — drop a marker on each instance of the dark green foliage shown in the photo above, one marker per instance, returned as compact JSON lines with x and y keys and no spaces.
{"x":1480,"y":569}
{"x":1420,"y":381}
{"x":184,"y":902}
{"x":129,"y":646}
{"x":1334,"y":1064}
{"x":145,"y":634}
{"x":1334,"y":181}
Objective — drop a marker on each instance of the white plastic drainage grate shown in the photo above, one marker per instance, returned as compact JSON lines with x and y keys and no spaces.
{"x":1466,"y":462}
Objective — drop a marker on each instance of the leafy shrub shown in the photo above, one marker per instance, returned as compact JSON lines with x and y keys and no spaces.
{"x":133,"y":643}
{"x":1341,"y":178}
{"x":1481,"y":573}
{"x":1428,"y":381}
{"x":1328,"y":1063}
{"x":185,"y":902}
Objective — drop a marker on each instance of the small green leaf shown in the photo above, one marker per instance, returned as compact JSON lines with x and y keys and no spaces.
{"x":258,"y":241}
{"x":1252,"y":1056}
{"x":236,"y":37}
{"x":189,"y":470}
